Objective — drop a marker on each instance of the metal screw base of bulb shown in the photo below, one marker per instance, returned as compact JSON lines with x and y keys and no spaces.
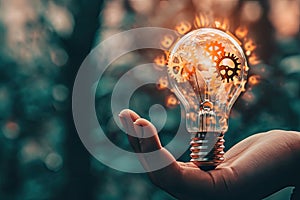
{"x":207,"y":149}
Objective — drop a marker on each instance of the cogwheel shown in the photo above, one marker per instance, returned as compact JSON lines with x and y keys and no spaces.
{"x":179,"y":69}
{"x":215,"y":50}
{"x":227,"y":66}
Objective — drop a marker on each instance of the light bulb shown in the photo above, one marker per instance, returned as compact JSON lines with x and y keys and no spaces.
{"x":207,"y":71}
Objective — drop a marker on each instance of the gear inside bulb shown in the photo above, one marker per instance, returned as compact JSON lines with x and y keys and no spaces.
{"x":207,"y":68}
{"x":210,"y":52}
{"x":227,"y":67}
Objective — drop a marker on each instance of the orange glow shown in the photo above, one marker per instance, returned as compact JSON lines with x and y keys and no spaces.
{"x":244,"y":86}
{"x":167,"y":54}
{"x":254,"y":79}
{"x":249,"y":47}
{"x":162,"y":83}
{"x":223,"y":25}
{"x":171,"y":101}
{"x":183,"y":27}
{"x":167,"y":41}
{"x":160,"y":61}
{"x":254,"y":59}
{"x":183,"y":70}
{"x":241,"y":32}
{"x":201,"y":21}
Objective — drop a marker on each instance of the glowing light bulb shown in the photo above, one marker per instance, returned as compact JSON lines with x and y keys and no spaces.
{"x":207,"y":70}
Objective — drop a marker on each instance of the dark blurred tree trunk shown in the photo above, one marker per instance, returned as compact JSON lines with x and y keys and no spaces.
{"x":80,"y":183}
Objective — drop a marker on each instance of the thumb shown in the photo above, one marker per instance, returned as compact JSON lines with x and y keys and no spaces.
{"x":141,"y":133}
{"x":157,"y":161}
{"x":147,"y":134}
{"x":144,"y":138}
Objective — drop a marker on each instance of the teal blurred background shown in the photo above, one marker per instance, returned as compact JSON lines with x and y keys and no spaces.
{"x":43,"y":44}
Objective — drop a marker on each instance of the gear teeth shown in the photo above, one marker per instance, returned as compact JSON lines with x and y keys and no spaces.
{"x":234,"y":69}
{"x":215,"y":50}
{"x":182,"y":74}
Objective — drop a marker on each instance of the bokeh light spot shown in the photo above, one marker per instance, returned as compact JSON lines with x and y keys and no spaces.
{"x":53,"y":161}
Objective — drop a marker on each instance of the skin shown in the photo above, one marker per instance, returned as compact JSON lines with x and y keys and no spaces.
{"x":254,"y":168}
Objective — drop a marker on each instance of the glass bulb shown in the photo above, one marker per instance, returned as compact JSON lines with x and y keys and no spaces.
{"x":207,"y":70}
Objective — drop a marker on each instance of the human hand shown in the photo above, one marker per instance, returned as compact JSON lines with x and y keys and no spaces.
{"x":253,"y":169}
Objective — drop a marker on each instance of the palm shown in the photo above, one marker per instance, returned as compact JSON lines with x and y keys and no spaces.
{"x":253,"y":169}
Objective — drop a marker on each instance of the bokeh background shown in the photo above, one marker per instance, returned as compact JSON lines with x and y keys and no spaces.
{"x":42,"y":45}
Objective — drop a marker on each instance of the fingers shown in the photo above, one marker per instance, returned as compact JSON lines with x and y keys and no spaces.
{"x":179,"y":179}
{"x":261,"y":160}
{"x":127,"y":118}
{"x":265,"y":162}
{"x":157,"y":161}
{"x":142,"y":134}
{"x":148,"y":138}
